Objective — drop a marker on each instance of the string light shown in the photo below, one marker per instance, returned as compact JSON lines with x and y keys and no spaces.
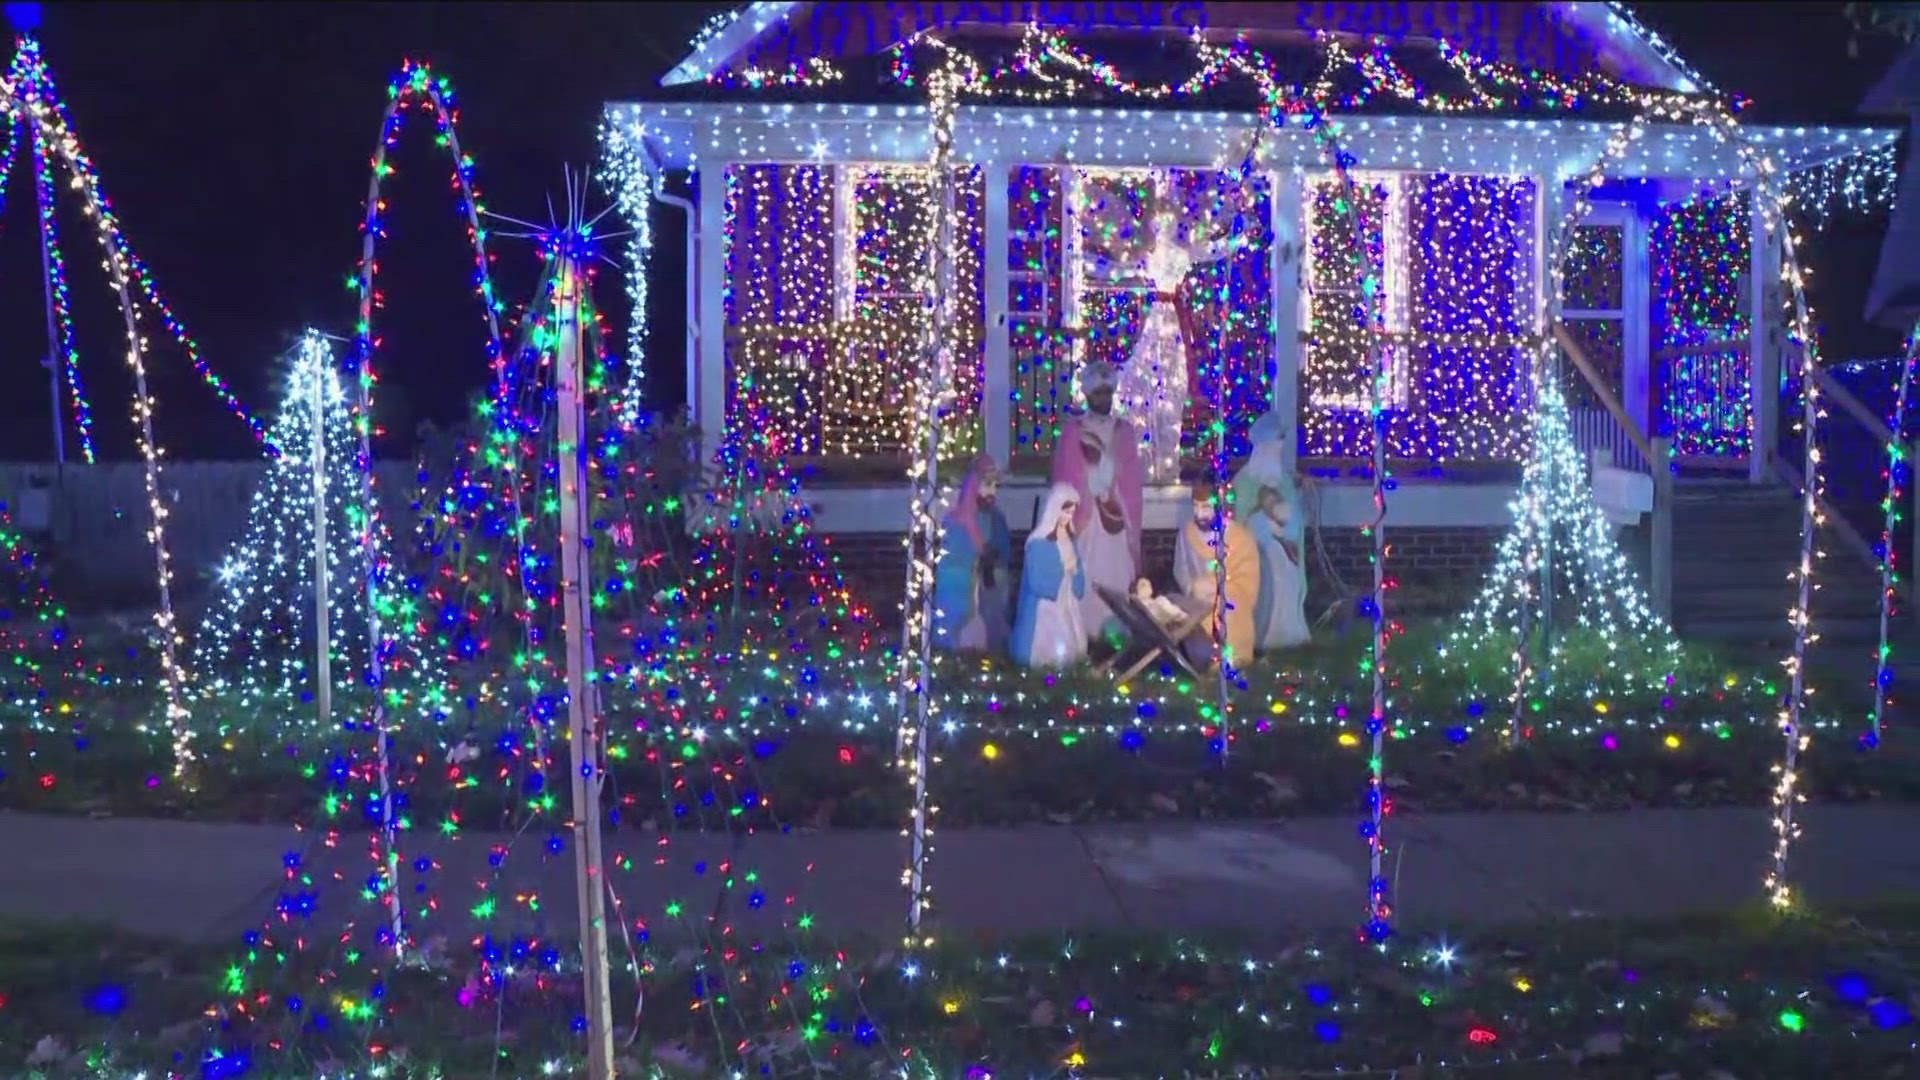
{"x":24,"y":73}
{"x":53,"y":131}
{"x":254,"y":648}
{"x":629,"y":177}
{"x":413,"y":87}
{"x":1858,"y":184}
{"x":43,"y":665}
{"x":1899,"y":473}
{"x":1702,"y":324}
{"x":938,"y":240}
{"x":28,"y":77}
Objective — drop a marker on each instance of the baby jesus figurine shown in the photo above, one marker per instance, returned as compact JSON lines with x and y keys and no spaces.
{"x":1162,"y":610}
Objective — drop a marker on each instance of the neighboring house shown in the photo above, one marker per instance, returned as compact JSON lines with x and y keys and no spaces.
{"x":804,"y":287}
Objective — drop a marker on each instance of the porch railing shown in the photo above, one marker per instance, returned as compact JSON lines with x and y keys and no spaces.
{"x":1595,"y":429}
{"x":1637,"y":452}
{"x":1855,"y":440}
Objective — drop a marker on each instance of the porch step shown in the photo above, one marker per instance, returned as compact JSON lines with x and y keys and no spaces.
{"x":1850,"y":598}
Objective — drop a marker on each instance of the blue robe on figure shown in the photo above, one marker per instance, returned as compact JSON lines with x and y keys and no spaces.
{"x":1050,"y":631}
{"x":1266,"y":500}
{"x":970,"y":583}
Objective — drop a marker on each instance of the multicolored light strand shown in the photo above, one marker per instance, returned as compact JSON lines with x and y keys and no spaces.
{"x":52,"y":131}
{"x":29,"y":78}
{"x":1899,"y":477}
{"x":60,"y":340}
{"x":413,"y":86}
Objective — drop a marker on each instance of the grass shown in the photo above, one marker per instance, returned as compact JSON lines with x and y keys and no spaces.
{"x":1029,"y":748}
{"x":1753,"y":993}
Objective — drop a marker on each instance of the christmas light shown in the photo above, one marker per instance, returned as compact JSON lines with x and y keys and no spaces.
{"x":43,"y":664}
{"x":1675,"y":136}
{"x":1702,"y":324}
{"x":30,"y":85}
{"x":629,"y":177}
{"x":24,"y":72}
{"x":53,"y":131}
{"x":1561,"y":552}
{"x":254,"y":650}
{"x":1899,"y":474}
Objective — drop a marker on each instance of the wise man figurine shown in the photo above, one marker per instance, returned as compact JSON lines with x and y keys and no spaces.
{"x":1230,"y":610}
{"x":970,"y":590}
{"x":1098,"y":456}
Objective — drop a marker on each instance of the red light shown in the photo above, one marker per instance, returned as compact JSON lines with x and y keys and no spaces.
{"x":846,"y":755}
{"x":1481,"y":1036}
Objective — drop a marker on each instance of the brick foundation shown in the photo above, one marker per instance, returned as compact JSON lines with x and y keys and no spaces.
{"x":1438,"y":568}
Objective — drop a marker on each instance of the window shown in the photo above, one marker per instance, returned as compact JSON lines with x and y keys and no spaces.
{"x":1337,"y":371}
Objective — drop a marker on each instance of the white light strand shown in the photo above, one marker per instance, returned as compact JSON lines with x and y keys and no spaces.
{"x":631,"y":181}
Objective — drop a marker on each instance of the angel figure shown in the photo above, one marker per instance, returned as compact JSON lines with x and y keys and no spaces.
{"x":1171,"y":240}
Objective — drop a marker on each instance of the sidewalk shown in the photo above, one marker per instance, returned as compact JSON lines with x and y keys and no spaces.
{"x":208,"y":882}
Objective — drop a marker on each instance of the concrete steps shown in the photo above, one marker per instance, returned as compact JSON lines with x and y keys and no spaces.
{"x":1734,"y":546}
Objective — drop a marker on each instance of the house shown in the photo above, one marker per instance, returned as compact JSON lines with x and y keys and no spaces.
{"x":803,"y":130}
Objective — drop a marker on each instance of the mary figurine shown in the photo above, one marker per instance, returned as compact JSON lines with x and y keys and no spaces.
{"x":1268,"y":503}
{"x":1049,"y":631}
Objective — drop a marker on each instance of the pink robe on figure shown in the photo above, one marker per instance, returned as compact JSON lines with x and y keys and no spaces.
{"x":1111,"y":560}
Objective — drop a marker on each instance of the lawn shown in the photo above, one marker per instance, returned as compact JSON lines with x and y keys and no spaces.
{"x":1012,"y":746}
{"x":1754,"y":994}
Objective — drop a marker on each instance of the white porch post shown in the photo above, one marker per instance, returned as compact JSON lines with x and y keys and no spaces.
{"x":1763,"y":373}
{"x":1070,"y":255}
{"x":997,"y":381}
{"x":1636,"y":298}
{"x":711,"y":191}
{"x":1549,"y":203}
{"x":1287,"y":261}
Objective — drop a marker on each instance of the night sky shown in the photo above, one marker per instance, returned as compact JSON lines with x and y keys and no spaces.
{"x":234,"y":139}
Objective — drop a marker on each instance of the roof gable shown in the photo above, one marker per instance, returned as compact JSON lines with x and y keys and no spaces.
{"x":1565,"y":38}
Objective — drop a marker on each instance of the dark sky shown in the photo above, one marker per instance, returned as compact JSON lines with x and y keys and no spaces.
{"x":234,"y":138}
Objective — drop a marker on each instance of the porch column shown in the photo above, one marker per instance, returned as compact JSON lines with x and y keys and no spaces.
{"x":1636,"y":298}
{"x":1549,"y":203}
{"x":711,"y":270}
{"x":997,"y":379}
{"x":1763,"y":361}
{"x":1288,"y":257}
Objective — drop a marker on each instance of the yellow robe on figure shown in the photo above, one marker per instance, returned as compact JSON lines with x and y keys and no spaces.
{"x":1193,"y":569}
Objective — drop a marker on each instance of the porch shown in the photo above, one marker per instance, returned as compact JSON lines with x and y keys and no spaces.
{"x":787,"y":203}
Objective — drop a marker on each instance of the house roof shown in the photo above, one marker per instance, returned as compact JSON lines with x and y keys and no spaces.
{"x":681,"y":135}
{"x":1564,"y":37}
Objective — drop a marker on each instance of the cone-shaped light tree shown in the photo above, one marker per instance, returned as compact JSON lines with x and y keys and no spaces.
{"x":258,"y":656}
{"x":1561,"y":591}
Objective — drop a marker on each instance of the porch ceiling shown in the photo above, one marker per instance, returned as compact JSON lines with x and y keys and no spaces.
{"x":683,"y":135}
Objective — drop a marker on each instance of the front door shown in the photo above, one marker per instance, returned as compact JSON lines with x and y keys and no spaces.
{"x":1604,"y":306}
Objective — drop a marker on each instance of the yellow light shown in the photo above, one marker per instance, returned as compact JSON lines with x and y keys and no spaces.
{"x":990,"y":752}
{"x":1348,"y":738}
{"x":1277,"y":708}
{"x":1672,"y":741}
{"x":1600,"y":707}
{"x":950,"y":1006}
{"x":1523,"y":984}
{"x":1076,"y":1059}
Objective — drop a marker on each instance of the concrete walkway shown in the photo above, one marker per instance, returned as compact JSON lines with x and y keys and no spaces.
{"x":200,"y":882}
